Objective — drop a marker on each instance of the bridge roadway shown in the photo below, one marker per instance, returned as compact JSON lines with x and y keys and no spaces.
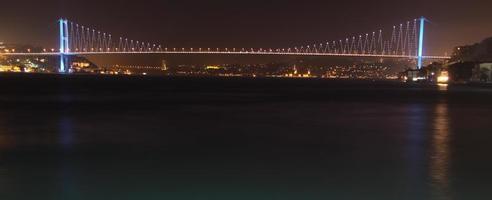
{"x":225,"y":53}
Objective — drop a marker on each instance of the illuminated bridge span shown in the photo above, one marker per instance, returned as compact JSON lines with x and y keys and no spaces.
{"x":405,"y":40}
{"x":226,"y":52}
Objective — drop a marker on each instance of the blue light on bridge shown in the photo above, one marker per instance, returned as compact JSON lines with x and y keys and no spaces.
{"x":421,"y":42}
{"x":64,"y":48}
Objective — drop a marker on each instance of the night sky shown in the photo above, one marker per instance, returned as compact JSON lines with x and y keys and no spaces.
{"x":221,"y":23}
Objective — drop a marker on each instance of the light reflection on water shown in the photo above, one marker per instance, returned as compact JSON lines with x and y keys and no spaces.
{"x":442,"y":87}
{"x":427,"y":122}
{"x":383,"y":143}
{"x":66,"y":134}
{"x":5,"y":143}
{"x":440,"y":155}
{"x":415,"y":137}
{"x":6,"y":139}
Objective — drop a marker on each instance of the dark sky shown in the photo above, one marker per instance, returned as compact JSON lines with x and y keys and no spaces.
{"x":221,"y":23}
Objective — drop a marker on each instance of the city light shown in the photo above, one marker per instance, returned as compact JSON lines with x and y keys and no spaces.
{"x":443,"y":78}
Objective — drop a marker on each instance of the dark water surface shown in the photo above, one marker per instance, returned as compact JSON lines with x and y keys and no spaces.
{"x":88,"y":137}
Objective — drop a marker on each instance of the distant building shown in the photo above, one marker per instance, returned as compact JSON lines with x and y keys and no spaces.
{"x":482,"y":72}
{"x":133,"y":70}
{"x":82,"y":65}
{"x":2,"y":46}
{"x":413,"y":75}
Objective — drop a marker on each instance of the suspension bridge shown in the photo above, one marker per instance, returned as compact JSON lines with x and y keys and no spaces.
{"x":405,"y":41}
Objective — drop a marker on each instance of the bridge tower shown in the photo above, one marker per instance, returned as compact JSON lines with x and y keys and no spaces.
{"x":64,"y":45}
{"x":420,"y":52}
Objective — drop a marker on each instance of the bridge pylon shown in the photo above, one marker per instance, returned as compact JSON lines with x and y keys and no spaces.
{"x":420,"y":53}
{"x":64,"y":45}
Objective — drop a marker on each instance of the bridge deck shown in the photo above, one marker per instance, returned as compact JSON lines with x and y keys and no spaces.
{"x":225,"y":53}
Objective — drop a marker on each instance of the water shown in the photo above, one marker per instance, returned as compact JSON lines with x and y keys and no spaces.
{"x":89,"y":137}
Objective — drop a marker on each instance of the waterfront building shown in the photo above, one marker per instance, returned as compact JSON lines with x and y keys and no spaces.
{"x":482,"y":72}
